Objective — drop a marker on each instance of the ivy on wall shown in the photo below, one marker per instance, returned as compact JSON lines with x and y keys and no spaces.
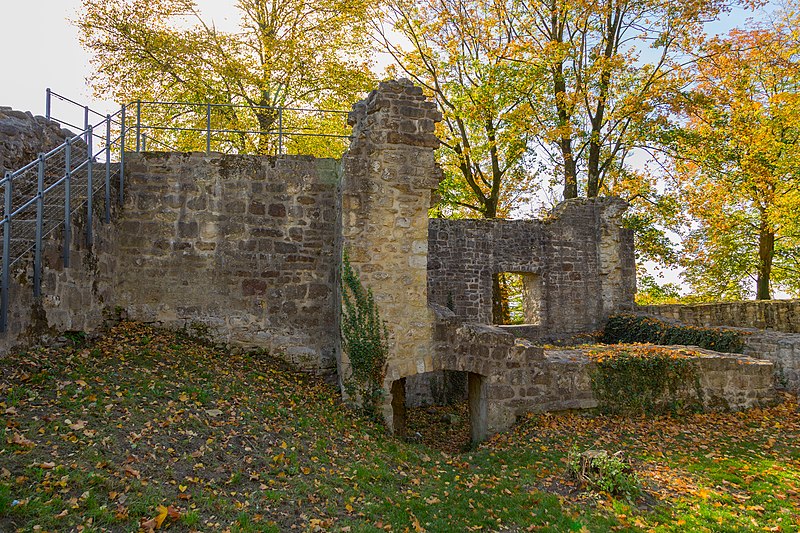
{"x":365,"y":338}
{"x":628,"y":328}
{"x":645,"y":380}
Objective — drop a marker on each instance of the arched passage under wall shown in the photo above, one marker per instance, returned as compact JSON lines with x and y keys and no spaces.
{"x":476,"y":398}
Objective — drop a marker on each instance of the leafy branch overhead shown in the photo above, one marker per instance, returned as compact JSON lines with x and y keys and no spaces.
{"x":284,"y":54}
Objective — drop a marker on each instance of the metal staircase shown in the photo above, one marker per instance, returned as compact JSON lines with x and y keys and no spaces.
{"x":75,"y":178}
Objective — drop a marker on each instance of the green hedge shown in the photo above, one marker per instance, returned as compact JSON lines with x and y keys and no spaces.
{"x":627,"y":328}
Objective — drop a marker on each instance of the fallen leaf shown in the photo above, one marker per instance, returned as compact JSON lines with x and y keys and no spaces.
{"x":19,"y":439}
{"x":162,"y":515}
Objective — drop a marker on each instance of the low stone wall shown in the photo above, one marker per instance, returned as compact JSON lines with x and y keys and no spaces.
{"x":771,"y":329}
{"x":778,"y":315}
{"x":727,"y":381}
{"x":782,"y":349}
{"x":522,"y":378}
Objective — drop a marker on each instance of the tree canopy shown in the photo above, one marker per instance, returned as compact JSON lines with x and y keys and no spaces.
{"x":287,"y":53}
{"x":737,"y":163}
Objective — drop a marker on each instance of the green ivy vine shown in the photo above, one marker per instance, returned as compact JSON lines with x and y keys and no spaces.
{"x":365,"y":338}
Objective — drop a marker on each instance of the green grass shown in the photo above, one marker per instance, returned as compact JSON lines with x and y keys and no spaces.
{"x":105,"y":436}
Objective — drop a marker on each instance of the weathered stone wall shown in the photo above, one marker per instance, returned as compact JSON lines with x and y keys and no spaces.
{"x":778,"y":315}
{"x":523,"y":378}
{"x":782,"y":349}
{"x":561,"y":379}
{"x":23,"y":136}
{"x":78,"y":298}
{"x":578,"y":264}
{"x":236,"y":247}
{"x":771,"y":328}
{"x":389,"y":173}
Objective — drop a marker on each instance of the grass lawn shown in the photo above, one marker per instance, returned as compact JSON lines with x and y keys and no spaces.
{"x":148,"y":430}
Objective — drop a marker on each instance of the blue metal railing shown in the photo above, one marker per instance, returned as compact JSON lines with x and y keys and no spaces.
{"x":229,"y":127}
{"x":45,"y":195}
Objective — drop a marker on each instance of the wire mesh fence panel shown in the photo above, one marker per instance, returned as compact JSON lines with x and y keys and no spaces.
{"x":23,"y":232}
{"x":43,"y":196}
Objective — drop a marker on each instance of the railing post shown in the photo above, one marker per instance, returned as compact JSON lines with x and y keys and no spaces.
{"x":47,"y":104}
{"x":89,"y":188}
{"x":138,"y":124}
{"x":108,"y":169}
{"x":208,"y":129}
{"x":67,"y":202}
{"x":280,"y":131}
{"x":122,"y":155}
{"x":144,"y":142}
{"x":6,"y":254}
{"x":86,"y":122}
{"x":37,"y":254}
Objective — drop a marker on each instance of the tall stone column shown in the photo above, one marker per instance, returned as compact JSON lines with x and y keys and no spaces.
{"x":616,"y":260}
{"x":389,"y":173}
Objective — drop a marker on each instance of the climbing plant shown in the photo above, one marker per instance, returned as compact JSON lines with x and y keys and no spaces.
{"x":365,"y":338}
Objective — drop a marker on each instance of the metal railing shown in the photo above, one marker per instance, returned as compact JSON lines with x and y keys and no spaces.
{"x":45,"y":195}
{"x":48,"y":192}
{"x":230,"y":128}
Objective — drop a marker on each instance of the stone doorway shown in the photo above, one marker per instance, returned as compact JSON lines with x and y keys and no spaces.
{"x":437,"y":389}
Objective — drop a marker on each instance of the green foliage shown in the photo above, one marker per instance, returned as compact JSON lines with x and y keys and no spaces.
{"x":364,"y":338}
{"x":627,"y":328}
{"x":650,"y":292}
{"x":640,"y":381}
{"x":284,"y":54}
{"x":601,"y":471}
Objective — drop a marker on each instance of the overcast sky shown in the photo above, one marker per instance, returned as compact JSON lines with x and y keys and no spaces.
{"x":41,"y":50}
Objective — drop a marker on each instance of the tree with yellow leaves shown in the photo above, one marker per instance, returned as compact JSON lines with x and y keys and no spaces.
{"x":287,"y":53}
{"x":738,"y":164}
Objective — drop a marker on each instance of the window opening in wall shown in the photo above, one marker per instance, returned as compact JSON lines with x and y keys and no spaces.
{"x":517,"y":298}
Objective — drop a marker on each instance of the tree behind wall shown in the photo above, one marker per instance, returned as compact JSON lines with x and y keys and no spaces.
{"x":738,"y":165}
{"x":291,"y":53}
{"x":609,"y":68}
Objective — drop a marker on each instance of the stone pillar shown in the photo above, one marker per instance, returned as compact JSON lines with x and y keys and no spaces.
{"x":399,"y":408}
{"x":616,"y":261}
{"x":478,"y":416}
{"x":389,"y":173}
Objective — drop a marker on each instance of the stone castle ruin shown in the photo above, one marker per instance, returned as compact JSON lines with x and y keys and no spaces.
{"x":246,"y":250}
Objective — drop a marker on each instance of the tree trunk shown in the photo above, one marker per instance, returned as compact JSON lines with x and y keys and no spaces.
{"x":500,"y":311}
{"x":766,"y":251}
{"x":593,"y":170}
{"x":266,"y":118}
{"x":565,"y":137}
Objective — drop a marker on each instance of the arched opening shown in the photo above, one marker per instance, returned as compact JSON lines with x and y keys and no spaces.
{"x":441,"y":407}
